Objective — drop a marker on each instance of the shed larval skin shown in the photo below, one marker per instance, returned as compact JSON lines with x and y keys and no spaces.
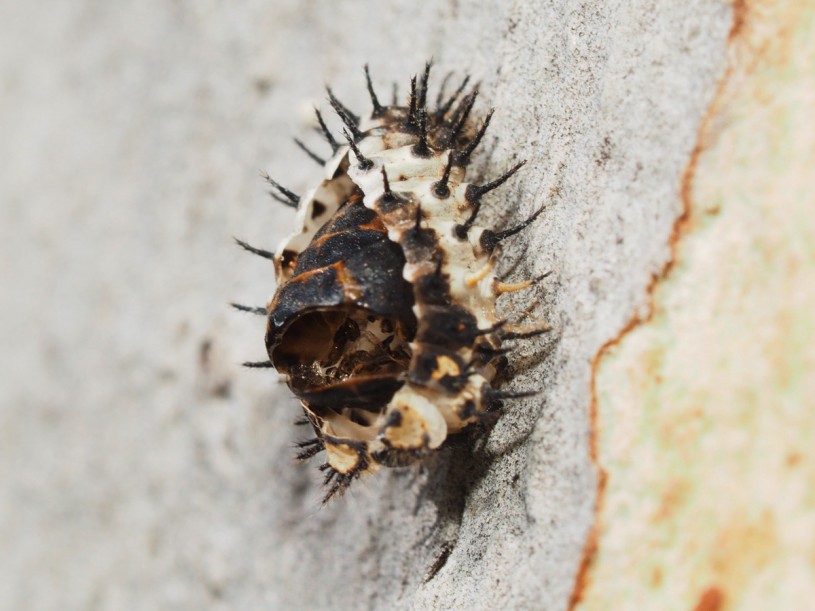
{"x":384,"y":319}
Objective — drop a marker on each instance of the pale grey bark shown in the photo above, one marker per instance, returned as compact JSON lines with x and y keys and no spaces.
{"x":141,"y":470}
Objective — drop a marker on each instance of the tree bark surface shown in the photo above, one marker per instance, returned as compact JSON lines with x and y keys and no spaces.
{"x":142,"y":468}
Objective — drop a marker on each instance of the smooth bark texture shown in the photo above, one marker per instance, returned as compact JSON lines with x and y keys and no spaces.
{"x":705,"y":412}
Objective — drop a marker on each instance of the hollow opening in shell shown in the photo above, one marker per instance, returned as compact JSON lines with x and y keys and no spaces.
{"x":344,"y":358}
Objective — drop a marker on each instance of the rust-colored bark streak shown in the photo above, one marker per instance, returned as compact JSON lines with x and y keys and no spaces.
{"x":712,"y":598}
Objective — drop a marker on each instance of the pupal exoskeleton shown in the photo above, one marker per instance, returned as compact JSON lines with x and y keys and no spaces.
{"x":384,"y":319}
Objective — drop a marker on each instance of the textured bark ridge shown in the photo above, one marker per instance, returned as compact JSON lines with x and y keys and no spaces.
{"x":142,"y":468}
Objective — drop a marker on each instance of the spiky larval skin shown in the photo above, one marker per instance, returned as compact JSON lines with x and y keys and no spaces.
{"x":384,"y":318}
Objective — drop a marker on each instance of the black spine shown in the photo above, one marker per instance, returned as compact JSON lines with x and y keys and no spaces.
{"x":340,"y":107}
{"x":420,"y":149}
{"x":255,"y":251}
{"x":388,"y":194}
{"x":512,"y":394}
{"x":309,"y":152}
{"x":413,"y":101}
{"x":442,"y":88}
{"x":462,"y":158}
{"x":525,"y":334}
{"x":331,"y":141}
{"x":418,"y":224}
{"x":309,"y":448}
{"x":292,"y":197}
{"x":476,"y":192}
{"x":346,"y":116}
{"x":250,"y":309}
{"x":378,"y":108}
{"x":363,"y":162}
{"x":473,"y":195}
{"x":489,"y":239}
{"x":258,"y":364}
{"x":462,"y":112}
{"x":424,"y":83}
{"x":440,"y":189}
{"x":443,"y":110}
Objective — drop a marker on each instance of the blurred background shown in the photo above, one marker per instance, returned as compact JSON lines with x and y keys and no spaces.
{"x":666,"y":465}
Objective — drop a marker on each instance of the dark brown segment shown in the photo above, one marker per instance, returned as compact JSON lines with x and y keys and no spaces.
{"x":451,"y":327}
{"x":389,"y":201}
{"x":387,"y":204}
{"x":344,"y":247}
{"x":467,"y":410}
{"x":349,"y":266}
{"x":348,"y":217}
{"x":288,"y":259}
{"x":317,"y":209}
{"x":365,"y":392}
{"x":419,"y":245}
{"x":392,"y":457}
{"x":433,"y":289}
{"x":320,"y":288}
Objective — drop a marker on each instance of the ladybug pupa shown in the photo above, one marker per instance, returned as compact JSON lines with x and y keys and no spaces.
{"x":384,"y":319}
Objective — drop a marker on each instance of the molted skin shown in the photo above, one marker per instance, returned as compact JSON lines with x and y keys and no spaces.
{"x":384,"y":318}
